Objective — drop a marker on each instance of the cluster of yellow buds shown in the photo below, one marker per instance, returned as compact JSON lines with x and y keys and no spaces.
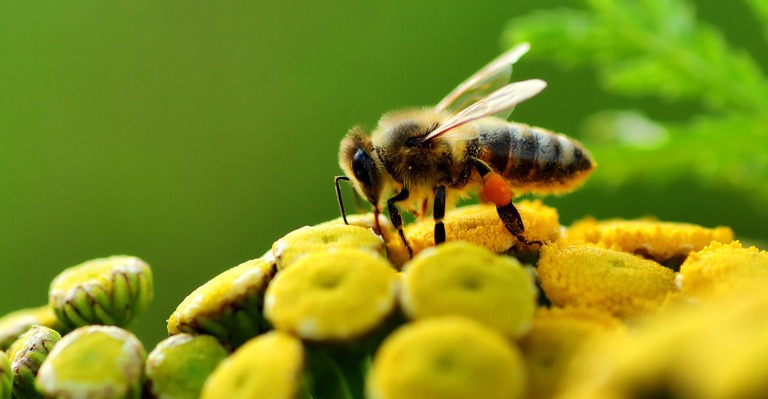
{"x":604,"y":309}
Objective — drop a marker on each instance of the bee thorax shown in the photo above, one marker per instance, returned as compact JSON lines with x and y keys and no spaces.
{"x":406,"y":157}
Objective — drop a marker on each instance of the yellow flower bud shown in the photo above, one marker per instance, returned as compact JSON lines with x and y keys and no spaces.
{"x":460,"y":278}
{"x":335,"y":295}
{"x":94,"y":362}
{"x":268,"y":366}
{"x":446,"y":358}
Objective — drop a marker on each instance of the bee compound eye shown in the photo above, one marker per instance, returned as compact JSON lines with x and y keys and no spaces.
{"x":363,"y":168}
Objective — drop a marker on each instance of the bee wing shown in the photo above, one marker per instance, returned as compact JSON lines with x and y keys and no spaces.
{"x":491,"y":77}
{"x":500,"y":100}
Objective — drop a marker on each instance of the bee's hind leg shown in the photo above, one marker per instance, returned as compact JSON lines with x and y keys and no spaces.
{"x":496,"y":190}
{"x":514,"y":223}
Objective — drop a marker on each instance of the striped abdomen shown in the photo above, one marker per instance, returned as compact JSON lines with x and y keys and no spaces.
{"x":533,"y":159}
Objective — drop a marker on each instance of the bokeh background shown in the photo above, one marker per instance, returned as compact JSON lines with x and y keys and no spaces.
{"x":194,"y":134}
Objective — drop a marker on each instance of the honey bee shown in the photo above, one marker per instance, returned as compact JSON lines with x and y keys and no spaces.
{"x":436,"y":155}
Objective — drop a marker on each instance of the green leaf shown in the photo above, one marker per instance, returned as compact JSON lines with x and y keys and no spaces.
{"x":760,"y":9}
{"x":712,"y":149}
{"x":631,"y":42}
{"x":659,"y":48}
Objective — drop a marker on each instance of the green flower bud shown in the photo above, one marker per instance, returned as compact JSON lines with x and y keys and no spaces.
{"x":111,"y":291}
{"x":179,"y":365}
{"x":227,"y":307}
{"x":94,"y":362}
{"x":26,"y":356}
{"x":6,"y":378}
{"x":16,"y":323}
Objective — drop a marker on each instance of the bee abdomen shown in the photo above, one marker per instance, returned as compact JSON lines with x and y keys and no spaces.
{"x":534,"y":157}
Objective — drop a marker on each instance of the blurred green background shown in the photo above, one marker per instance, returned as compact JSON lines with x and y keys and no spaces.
{"x":194,"y":134}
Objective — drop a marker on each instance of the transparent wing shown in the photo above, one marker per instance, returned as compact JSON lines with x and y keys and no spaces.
{"x":500,"y":100}
{"x":481,"y":90}
{"x":491,"y":77}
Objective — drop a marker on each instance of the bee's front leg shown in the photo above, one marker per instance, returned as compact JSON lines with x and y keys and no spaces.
{"x":394,"y":216}
{"x":438,"y":213}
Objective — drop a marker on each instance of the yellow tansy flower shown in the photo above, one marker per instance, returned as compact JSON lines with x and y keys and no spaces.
{"x":459,"y":278}
{"x":479,"y":224}
{"x":268,"y":366}
{"x":322,"y":238}
{"x":228,"y":306}
{"x":367,"y":221}
{"x":336,"y":295}
{"x":446,"y":358}
{"x":660,"y":241}
{"x":724,"y":268}
{"x":717,"y":351}
{"x":622,"y":284}
{"x":725,"y":355}
{"x":556,"y":336}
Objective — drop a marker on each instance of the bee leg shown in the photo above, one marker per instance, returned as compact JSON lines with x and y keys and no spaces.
{"x":514,"y":223}
{"x":397,"y":221}
{"x":496,"y":190}
{"x":376,"y":213}
{"x":438,"y":213}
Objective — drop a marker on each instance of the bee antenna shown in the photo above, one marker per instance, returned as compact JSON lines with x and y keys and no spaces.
{"x":338,"y":196}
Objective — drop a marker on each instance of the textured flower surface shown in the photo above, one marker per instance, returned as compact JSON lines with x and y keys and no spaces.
{"x":480,"y":225}
{"x":618,"y":282}
{"x":660,"y":241}
{"x":599,"y":310}
{"x":724,"y":268}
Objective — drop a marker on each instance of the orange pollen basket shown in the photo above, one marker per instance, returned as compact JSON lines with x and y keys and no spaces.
{"x":496,"y":190}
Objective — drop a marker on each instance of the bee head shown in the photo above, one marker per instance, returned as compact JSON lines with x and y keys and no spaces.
{"x":358,"y":160}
